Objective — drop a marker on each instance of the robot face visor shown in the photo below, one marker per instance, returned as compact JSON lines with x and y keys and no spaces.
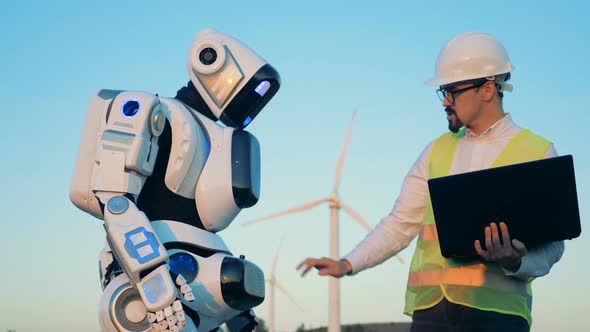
{"x":250,"y":100}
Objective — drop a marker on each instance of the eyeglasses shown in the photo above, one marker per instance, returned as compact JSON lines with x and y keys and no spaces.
{"x":452,"y":95}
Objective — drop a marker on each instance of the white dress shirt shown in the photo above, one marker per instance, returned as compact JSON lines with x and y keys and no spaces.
{"x":396,"y":230}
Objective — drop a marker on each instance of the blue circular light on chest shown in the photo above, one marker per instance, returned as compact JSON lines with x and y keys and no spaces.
{"x":184,"y":264}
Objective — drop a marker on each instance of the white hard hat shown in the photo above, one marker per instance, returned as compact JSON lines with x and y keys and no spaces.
{"x":468,"y":56}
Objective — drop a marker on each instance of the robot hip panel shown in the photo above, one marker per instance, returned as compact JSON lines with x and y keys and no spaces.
{"x":223,"y":286}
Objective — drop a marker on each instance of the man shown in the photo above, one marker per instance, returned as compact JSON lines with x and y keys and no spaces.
{"x":494,"y":292}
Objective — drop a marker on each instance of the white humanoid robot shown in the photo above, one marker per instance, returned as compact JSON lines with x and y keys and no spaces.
{"x":166,"y":177}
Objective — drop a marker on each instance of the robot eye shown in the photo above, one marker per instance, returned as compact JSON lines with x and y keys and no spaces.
{"x":208,"y":56}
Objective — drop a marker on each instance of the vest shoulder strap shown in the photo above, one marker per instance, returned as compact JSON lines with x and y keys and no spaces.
{"x":525,"y":146}
{"x":442,"y":152}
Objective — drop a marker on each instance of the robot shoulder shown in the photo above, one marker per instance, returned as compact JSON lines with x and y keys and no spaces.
{"x":189,"y":148}
{"x":118,"y":146}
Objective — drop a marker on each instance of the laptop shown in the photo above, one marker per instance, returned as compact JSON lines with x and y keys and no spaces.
{"x":537,"y":200}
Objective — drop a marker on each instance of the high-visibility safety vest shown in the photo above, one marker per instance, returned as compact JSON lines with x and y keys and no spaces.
{"x":475,"y":283}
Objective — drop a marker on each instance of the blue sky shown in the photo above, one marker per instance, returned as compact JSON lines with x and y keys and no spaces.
{"x":334,"y":57}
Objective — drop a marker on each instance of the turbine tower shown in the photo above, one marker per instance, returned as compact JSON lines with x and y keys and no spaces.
{"x":335,"y":204}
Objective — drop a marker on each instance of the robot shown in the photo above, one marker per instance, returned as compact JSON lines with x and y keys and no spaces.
{"x":166,"y":177}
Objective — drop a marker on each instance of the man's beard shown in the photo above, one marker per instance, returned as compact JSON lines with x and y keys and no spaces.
{"x":454,"y":123}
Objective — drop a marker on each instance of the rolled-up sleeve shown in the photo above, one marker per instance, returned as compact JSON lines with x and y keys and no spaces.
{"x":396,"y":230}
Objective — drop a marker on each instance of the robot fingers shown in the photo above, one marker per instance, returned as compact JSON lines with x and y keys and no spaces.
{"x":185,"y":289}
{"x":171,"y":318}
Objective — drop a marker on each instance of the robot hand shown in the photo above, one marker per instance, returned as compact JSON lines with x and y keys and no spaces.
{"x":172,"y":318}
{"x":163,"y":314}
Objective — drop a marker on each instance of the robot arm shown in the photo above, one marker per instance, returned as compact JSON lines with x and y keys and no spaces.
{"x":117,"y":153}
{"x":139,"y":252}
{"x":144,"y":259}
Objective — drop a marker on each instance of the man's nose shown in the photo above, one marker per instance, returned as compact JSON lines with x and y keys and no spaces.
{"x":446,"y":102}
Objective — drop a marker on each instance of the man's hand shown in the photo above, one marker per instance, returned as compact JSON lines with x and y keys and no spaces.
{"x":507,"y":253}
{"x":326,"y":266}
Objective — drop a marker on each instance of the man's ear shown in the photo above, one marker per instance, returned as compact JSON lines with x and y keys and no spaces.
{"x":488,"y":89}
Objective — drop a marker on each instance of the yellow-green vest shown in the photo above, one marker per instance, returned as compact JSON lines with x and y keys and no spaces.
{"x":476,"y":283}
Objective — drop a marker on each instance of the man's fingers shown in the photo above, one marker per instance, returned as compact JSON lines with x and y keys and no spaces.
{"x":300,"y":265}
{"x":495,"y":236}
{"x":505,"y":234}
{"x":482,"y":253}
{"x":519,"y":246}
{"x":488,"y":239}
{"x":324,"y":265}
{"x":307,"y":264}
{"x":305,"y":270}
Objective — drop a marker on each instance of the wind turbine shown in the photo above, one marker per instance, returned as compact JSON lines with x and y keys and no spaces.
{"x":335,"y":204}
{"x":273,"y":282}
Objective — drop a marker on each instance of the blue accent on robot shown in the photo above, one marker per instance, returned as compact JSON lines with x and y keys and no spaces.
{"x":130,"y":108}
{"x":142,"y":245}
{"x":262,"y":88}
{"x":153,"y":288}
{"x":185,"y":265}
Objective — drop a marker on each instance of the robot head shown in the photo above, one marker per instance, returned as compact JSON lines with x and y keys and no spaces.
{"x":234,"y":82}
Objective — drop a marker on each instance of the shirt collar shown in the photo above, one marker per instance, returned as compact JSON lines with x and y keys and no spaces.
{"x":497,"y":129}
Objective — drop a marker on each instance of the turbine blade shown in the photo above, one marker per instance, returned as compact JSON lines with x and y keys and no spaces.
{"x":282,"y":289}
{"x":343,"y":154}
{"x":357,"y":217}
{"x":300,"y":208}
{"x":274,"y":261}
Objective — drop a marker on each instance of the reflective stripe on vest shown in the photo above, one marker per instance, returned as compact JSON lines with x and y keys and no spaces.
{"x":473,"y":275}
{"x":473,"y":283}
{"x":428,"y":233}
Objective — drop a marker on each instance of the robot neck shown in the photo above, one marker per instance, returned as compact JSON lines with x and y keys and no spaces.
{"x":191,"y":97}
